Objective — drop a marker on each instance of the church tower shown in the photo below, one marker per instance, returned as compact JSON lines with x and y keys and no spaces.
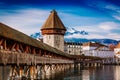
{"x":53,"y":31}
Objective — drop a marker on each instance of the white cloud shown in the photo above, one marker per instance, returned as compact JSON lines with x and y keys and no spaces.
{"x":99,"y":31}
{"x":91,"y":36}
{"x":115,"y":11}
{"x":112,"y":7}
{"x":76,"y":36}
{"x":30,"y":21}
{"x":116,"y":17}
{"x":91,"y":28}
{"x":108,"y":26}
{"x":96,"y":36}
{"x":114,"y":35}
{"x":27,"y":21}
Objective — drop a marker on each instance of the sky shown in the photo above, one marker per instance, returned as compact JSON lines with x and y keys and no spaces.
{"x":100,"y":18}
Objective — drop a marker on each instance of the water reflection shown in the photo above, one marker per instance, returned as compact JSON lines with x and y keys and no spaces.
{"x":92,"y":73}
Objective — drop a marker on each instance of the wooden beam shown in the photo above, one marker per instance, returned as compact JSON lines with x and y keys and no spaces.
{"x":1,"y":41}
{"x":21,"y":47}
{"x":33,"y":51}
{"x":26,"y":49}
{"x":17,"y":47}
{"x":44,"y":53}
{"x":29,"y":49}
{"x":4,"y":45}
{"x":40,"y":53}
{"x":13,"y":46}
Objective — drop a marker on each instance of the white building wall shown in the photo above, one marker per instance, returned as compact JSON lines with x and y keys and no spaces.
{"x":116,"y":50}
{"x":56,"y":41}
{"x":88,"y":48}
{"x":102,"y":54}
{"x":118,"y":55}
{"x":74,"y":49}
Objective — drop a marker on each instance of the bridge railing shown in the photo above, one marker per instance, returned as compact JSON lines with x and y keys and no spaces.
{"x":13,"y":57}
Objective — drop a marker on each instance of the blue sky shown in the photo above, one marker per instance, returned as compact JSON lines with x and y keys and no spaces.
{"x":100,"y":18}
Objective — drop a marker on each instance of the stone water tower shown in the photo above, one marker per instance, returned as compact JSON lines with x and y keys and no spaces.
{"x":53,"y":31}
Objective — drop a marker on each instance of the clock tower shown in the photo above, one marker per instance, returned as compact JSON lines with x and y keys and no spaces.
{"x":53,"y":31}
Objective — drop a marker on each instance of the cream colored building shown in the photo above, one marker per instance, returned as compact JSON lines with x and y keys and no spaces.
{"x":98,"y":50}
{"x":53,"y":31}
{"x":117,"y":50}
{"x":73,"y":48}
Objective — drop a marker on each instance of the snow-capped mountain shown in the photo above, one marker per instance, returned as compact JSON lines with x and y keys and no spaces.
{"x":102,"y":41}
{"x":73,"y":33}
{"x":36,"y":35}
{"x":69,"y":32}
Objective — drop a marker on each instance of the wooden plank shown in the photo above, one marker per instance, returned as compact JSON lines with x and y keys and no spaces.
{"x":5,"y":44}
{"x":33,"y":51}
{"x":13,"y":46}
{"x":40,"y":52}
{"x":17,"y":47}
{"x":21,"y":47}
{"x":29,"y":49}
{"x":1,"y":41}
{"x":26,"y":49}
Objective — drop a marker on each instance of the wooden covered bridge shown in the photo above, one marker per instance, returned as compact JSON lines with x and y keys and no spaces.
{"x":18,"y":49}
{"x":31,"y":51}
{"x":20,"y":52}
{"x":21,"y":55}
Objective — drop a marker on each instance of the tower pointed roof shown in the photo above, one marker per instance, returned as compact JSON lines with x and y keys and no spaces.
{"x":53,"y":22}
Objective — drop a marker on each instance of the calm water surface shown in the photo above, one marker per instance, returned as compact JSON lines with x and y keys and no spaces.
{"x":93,"y":73}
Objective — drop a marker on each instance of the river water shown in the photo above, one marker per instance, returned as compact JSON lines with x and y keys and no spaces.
{"x":107,"y":72}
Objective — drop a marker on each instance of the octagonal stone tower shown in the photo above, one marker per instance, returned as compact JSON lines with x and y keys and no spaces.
{"x":53,"y":31}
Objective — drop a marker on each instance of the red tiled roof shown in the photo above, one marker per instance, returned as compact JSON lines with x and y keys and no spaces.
{"x":118,"y":45}
{"x":92,"y":44}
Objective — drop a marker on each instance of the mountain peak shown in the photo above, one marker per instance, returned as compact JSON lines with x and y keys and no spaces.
{"x":74,"y":35}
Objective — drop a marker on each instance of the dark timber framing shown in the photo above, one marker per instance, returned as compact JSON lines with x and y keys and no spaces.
{"x":29,"y":49}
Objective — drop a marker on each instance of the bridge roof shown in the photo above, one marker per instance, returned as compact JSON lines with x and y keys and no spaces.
{"x":10,"y":33}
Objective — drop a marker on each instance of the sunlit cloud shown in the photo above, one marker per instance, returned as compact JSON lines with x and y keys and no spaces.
{"x":115,"y":11}
{"x":99,"y":18}
{"x":116,"y":17}
{"x":102,"y":30}
{"x":108,"y":26}
{"x":27,"y":20}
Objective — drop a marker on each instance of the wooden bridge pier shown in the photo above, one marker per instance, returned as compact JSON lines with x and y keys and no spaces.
{"x":32,"y":72}
{"x":4,"y":71}
{"x":87,"y":61}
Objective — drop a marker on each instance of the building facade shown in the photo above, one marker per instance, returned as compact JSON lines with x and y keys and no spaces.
{"x":73,"y":48}
{"x":53,"y":31}
{"x":98,"y":50}
{"x":117,"y":50}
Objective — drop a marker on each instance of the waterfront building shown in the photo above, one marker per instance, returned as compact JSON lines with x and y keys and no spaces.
{"x":98,"y":50}
{"x":73,"y":48}
{"x":117,"y":50}
{"x":53,"y":31}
